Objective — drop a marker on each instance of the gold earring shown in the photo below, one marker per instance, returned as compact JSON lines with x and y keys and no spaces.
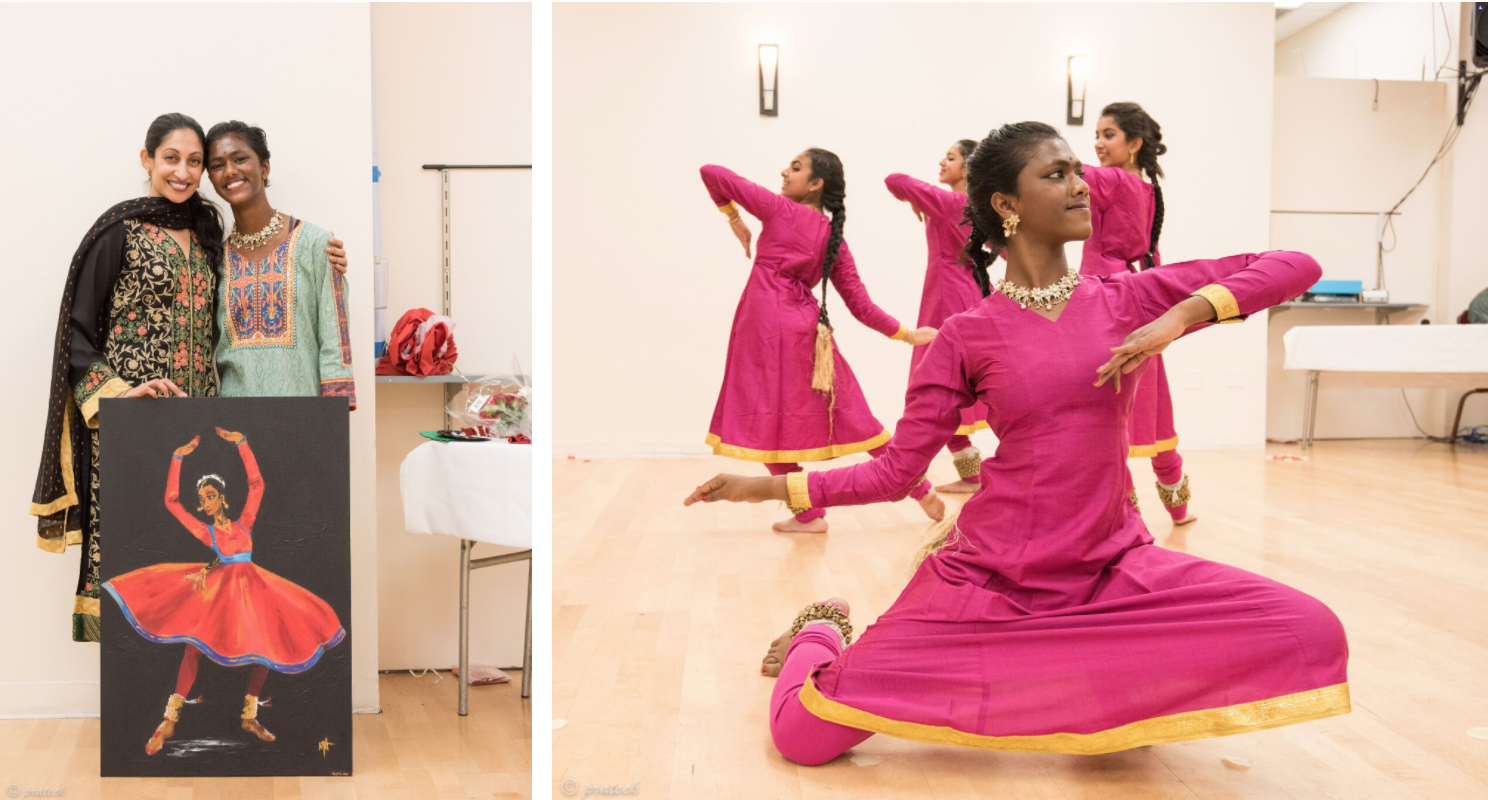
{"x":1131,"y":158}
{"x":1010,"y":225}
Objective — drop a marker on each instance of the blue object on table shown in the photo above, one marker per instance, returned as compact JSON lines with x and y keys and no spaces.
{"x":1337,"y":287}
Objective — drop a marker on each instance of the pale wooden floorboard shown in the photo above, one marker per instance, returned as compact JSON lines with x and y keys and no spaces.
{"x":419,"y":747}
{"x":661,"y":615}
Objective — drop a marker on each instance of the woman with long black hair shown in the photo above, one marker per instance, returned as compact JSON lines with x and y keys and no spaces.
{"x":137,"y":320}
{"x":1126,"y":218}
{"x":788,"y":395}
{"x":949,"y":286}
{"x":1040,"y":616}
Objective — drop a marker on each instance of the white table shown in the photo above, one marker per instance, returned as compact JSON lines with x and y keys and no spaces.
{"x":1391,"y":356}
{"x":476,"y":492}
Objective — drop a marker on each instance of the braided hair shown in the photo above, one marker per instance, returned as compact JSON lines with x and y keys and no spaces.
{"x":206,"y":219}
{"x":993,"y":168}
{"x":1136,"y":123}
{"x":828,"y":167}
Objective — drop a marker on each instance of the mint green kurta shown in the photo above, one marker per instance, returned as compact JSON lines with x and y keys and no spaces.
{"x":283,"y":322}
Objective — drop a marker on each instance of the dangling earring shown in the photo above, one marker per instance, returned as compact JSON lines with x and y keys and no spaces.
{"x":1010,"y":225}
{"x":1131,"y":159}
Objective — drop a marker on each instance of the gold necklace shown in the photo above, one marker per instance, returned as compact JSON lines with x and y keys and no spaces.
{"x":253,"y":241}
{"x":1047,"y":296}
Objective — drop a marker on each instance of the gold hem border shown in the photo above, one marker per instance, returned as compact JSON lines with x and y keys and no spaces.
{"x":720,"y":448}
{"x":70,"y":498}
{"x":967,"y":430}
{"x":1151,"y":450}
{"x":1206,"y":723}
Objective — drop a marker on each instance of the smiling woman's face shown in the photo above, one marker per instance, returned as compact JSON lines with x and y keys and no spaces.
{"x":176,"y":167}
{"x":953,"y":166}
{"x":236,"y":171}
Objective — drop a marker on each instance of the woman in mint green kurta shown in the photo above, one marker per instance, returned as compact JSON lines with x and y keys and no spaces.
{"x":281,"y":311}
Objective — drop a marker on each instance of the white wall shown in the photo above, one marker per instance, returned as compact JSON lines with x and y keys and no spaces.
{"x":1443,"y":266}
{"x":81,"y":86}
{"x":454,"y":86}
{"x":647,"y":274}
{"x":1333,"y":151}
{"x":1388,"y":41}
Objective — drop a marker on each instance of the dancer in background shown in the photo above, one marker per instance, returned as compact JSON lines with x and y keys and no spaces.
{"x":1040,"y":615}
{"x":788,"y":395}
{"x":1126,"y":217}
{"x":949,"y":286}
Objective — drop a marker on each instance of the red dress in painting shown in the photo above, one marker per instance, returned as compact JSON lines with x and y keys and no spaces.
{"x":237,"y":613}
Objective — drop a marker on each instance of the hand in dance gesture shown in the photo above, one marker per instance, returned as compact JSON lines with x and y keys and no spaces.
{"x":920,"y":336}
{"x":1153,"y":338}
{"x":231,"y":437}
{"x":742,"y":231}
{"x":160,"y":387}
{"x":739,"y":489}
{"x":185,"y":449}
{"x":919,"y":215}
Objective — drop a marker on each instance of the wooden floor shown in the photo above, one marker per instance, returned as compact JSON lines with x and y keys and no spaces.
{"x":661,"y":615}
{"x":419,"y":747}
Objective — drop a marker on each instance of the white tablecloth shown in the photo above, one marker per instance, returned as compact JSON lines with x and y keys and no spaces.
{"x":1452,"y":353}
{"x":471,"y":490}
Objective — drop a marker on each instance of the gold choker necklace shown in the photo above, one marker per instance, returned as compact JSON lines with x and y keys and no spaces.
{"x":253,"y":241}
{"x":1047,"y":297}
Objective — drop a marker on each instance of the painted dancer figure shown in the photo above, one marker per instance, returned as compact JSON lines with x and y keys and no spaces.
{"x":1126,"y":217}
{"x":1039,"y":615}
{"x":949,"y":285}
{"x":788,"y":395}
{"x":232,"y":610}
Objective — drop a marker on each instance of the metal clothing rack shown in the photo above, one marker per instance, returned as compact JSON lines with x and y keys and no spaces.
{"x":444,"y":226}
{"x":450,"y":386}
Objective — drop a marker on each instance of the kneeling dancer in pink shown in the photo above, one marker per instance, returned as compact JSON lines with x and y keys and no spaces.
{"x":1039,"y":618}
{"x":788,"y":395}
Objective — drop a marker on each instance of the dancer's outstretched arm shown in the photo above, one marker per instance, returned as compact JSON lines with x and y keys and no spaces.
{"x":729,"y":191}
{"x":850,"y":287}
{"x":173,"y":495}
{"x":726,"y":188}
{"x":1168,"y":303}
{"x":925,"y":199}
{"x":255,"y":480}
{"x":941,"y":387}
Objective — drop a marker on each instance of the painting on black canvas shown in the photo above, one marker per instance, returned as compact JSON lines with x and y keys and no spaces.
{"x":226,"y":607}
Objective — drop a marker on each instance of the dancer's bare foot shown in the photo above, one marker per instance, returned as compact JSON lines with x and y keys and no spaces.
{"x":934,"y":506}
{"x":959,"y":487}
{"x":775,"y":658}
{"x":793,"y":525}
{"x":164,"y":731}
{"x":1186,"y":519}
{"x":252,"y":726}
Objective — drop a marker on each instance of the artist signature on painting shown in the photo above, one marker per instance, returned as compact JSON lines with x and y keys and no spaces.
{"x":15,"y":791}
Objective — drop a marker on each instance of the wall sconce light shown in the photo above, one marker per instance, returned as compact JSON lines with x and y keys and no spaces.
{"x":1079,"y":70}
{"x":769,"y":75}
